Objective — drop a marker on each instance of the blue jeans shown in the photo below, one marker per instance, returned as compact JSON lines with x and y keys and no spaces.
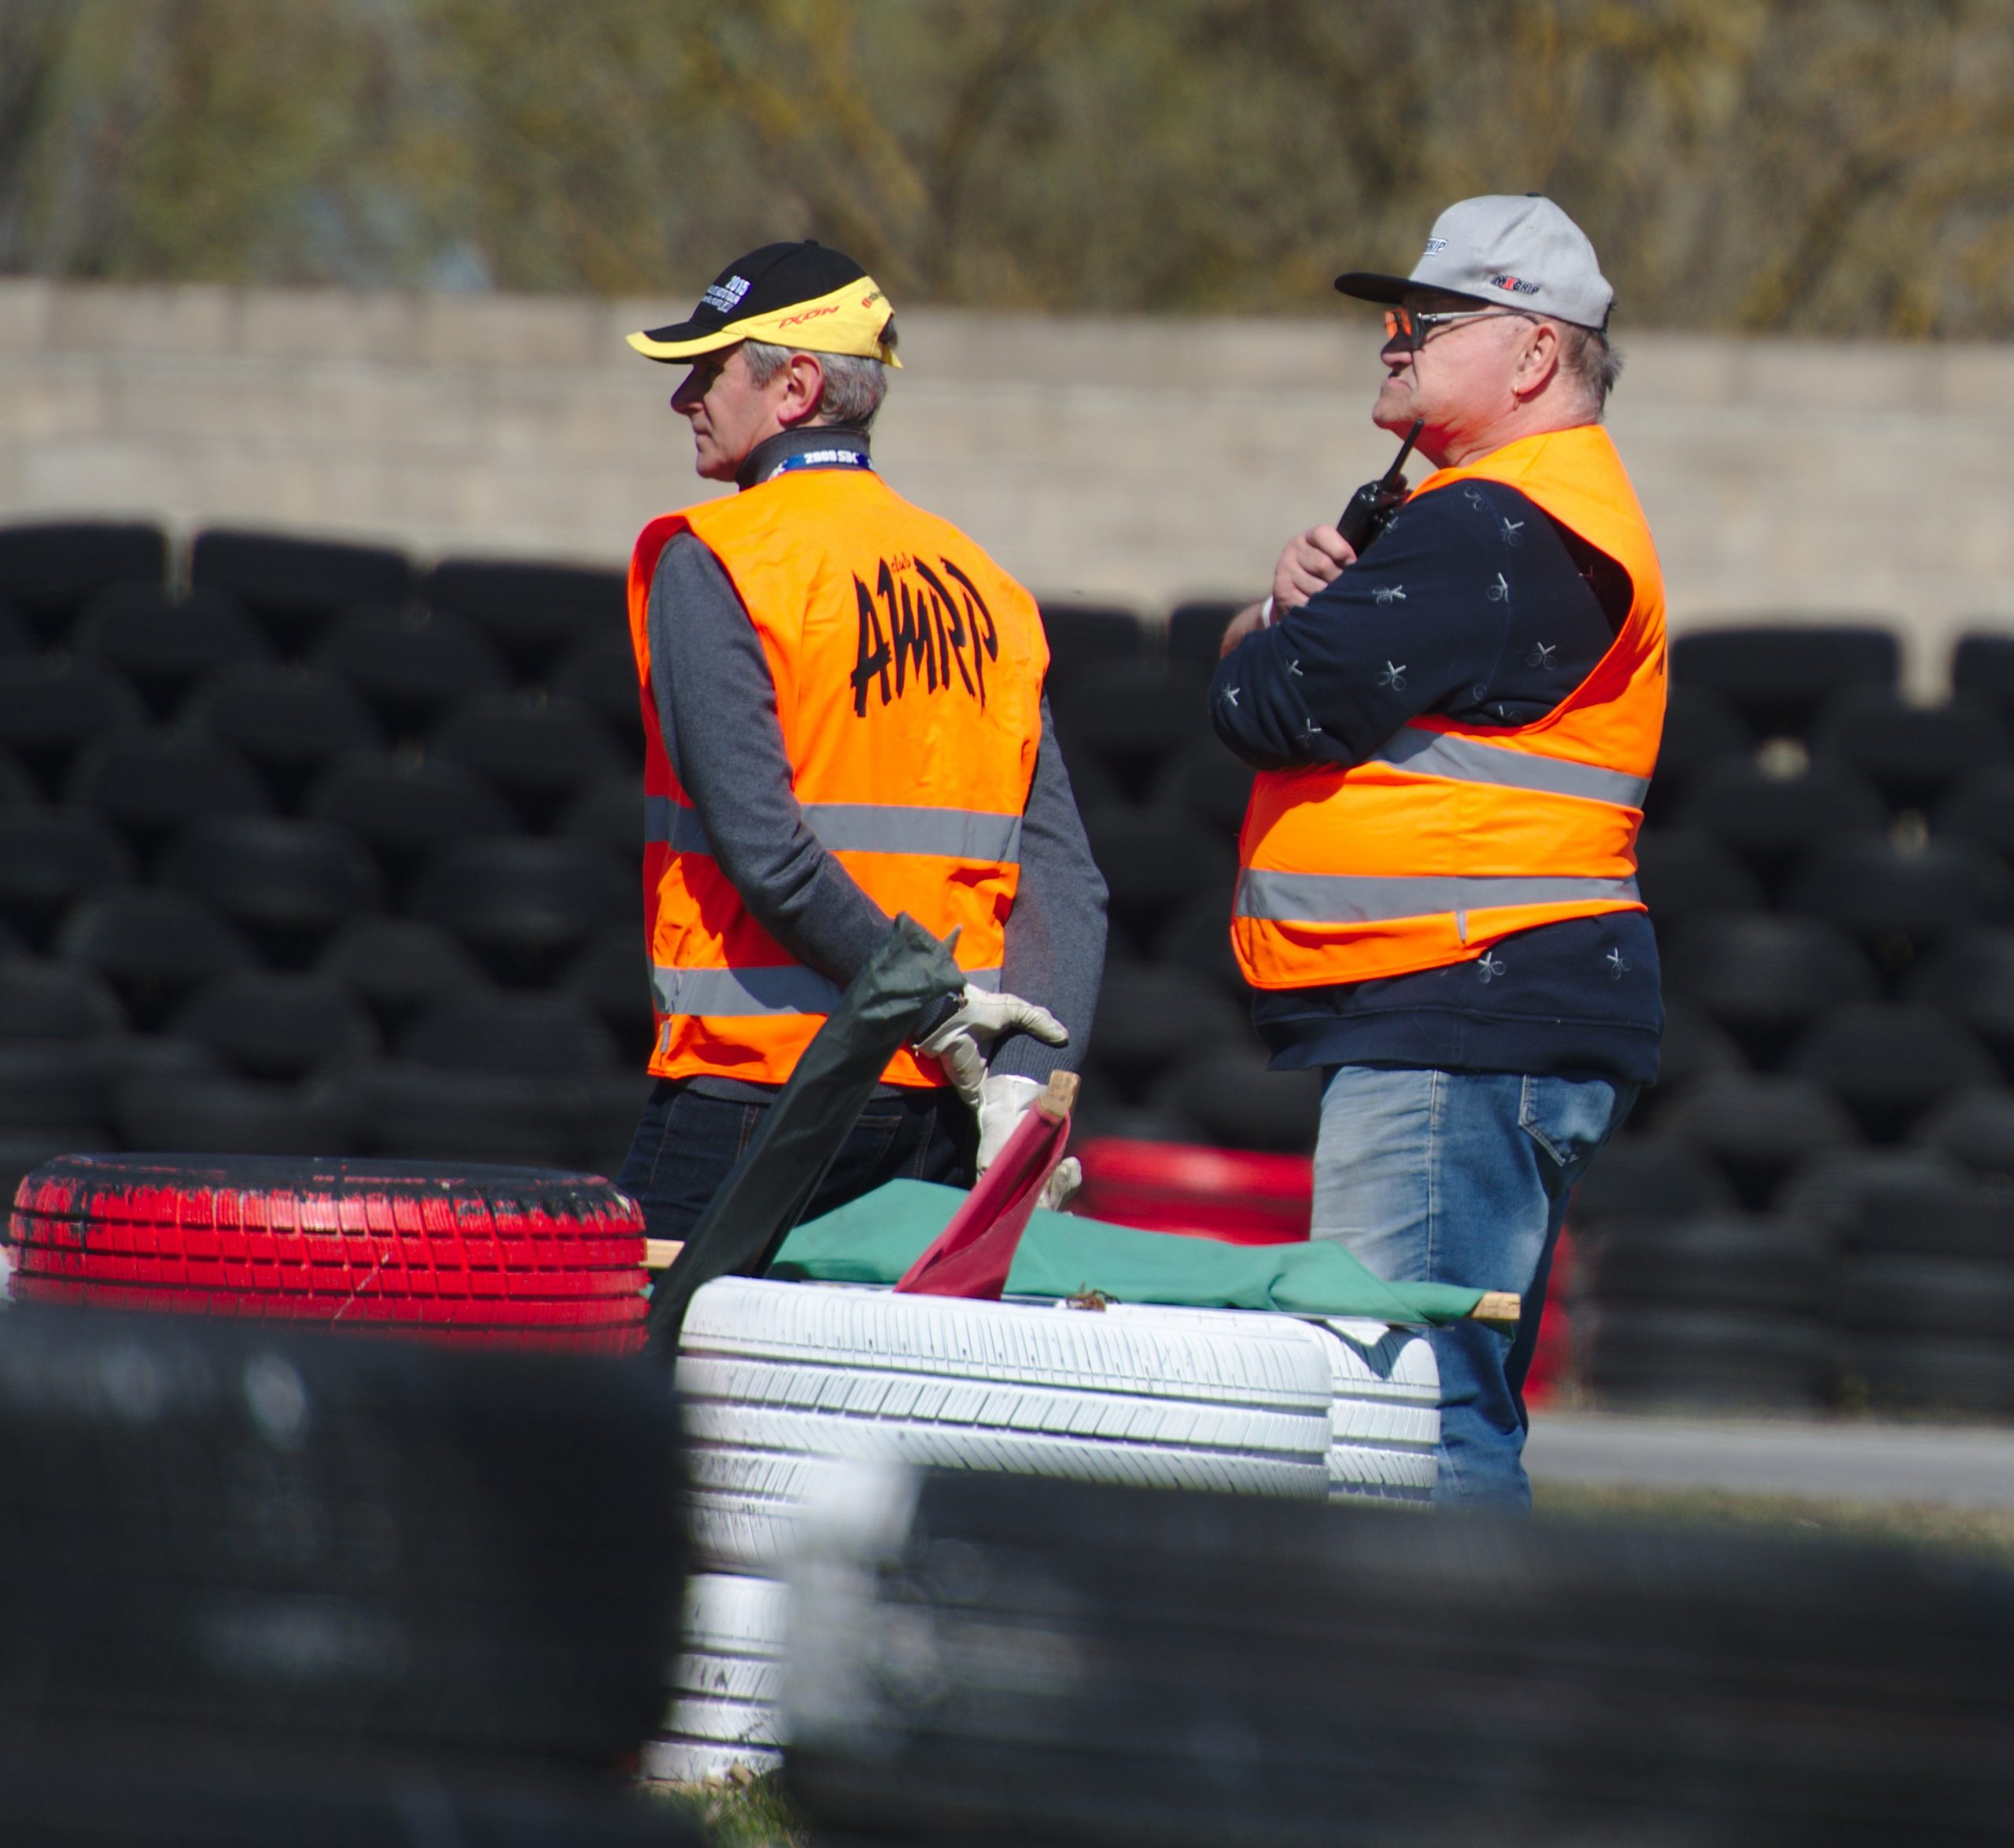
{"x":1463,"y":1177}
{"x":686,"y":1145}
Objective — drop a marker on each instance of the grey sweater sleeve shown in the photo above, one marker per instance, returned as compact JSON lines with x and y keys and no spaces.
{"x":718,"y":706}
{"x":1056,"y":932}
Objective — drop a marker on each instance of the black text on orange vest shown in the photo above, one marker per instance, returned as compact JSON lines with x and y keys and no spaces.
{"x":934,"y":631}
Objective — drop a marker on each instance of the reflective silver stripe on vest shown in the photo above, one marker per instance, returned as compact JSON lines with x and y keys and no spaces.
{"x":862,"y":828}
{"x":667,"y":821}
{"x":1341,"y":898}
{"x":789,"y":988}
{"x":1466,"y":760}
{"x":951,"y":833}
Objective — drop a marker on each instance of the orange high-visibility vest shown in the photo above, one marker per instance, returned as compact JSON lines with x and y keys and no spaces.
{"x":1453,"y":836}
{"x":908,"y":669}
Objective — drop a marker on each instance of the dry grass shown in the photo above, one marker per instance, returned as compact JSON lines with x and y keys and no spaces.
{"x":736,"y":1815}
{"x":1980,"y":1532}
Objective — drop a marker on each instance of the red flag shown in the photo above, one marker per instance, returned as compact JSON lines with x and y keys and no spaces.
{"x":971,"y":1256}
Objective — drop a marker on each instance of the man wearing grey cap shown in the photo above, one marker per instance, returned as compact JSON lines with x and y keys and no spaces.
{"x":1437,"y":901}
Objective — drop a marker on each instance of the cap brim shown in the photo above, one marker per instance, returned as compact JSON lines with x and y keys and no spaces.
{"x":1366,"y":285}
{"x":684,"y":341}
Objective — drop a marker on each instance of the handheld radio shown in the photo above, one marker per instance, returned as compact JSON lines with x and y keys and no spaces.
{"x":1372,"y":506}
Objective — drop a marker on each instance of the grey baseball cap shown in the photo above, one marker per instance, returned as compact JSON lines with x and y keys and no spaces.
{"x":1519,"y":249}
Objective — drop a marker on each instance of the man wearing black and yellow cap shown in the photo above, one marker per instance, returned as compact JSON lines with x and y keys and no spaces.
{"x":844,"y":719}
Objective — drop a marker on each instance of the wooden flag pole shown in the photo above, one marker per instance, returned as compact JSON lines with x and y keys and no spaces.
{"x":1059,"y":1098}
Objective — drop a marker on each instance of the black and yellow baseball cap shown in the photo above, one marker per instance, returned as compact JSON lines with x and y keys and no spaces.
{"x":797,"y":295}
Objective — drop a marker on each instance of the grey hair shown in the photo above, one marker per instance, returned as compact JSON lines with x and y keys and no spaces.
{"x":1586,"y":357}
{"x":854,"y":385}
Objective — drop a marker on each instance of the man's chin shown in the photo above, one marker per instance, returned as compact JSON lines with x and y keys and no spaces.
{"x":1395,"y":415}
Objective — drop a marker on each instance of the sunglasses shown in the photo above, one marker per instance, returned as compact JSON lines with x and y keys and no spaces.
{"x":1412,"y":329}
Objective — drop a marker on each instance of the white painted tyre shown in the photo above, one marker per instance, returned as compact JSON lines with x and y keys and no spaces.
{"x":1384,"y":1419}
{"x":726,"y":1615}
{"x":726,"y":1684}
{"x":720,"y":1677}
{"x":727,"y":1722}
{"x":780,"y":1380}
{"x":1384,"y":1412}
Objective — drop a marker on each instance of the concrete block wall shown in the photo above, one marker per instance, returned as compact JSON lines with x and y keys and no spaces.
{"x":1139,"y":461}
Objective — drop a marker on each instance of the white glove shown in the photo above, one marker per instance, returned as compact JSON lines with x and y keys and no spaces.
{"x":1003,"y":1100}
{"x":961,"y":1044}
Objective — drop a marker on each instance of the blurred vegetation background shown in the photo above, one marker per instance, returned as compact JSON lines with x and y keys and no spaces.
{"x":1837,"y":167}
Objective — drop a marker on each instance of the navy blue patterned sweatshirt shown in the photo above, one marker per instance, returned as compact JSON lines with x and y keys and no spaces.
{"x":1475,"y":605}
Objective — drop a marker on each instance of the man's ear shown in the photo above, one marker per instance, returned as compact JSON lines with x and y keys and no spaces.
{"x":1538,"y":362}
{"x":804,"y":389}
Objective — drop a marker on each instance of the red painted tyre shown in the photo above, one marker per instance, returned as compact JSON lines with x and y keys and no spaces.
{"x":486,"y":1255}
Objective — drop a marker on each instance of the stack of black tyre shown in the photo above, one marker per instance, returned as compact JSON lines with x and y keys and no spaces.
{"x":1173,"y":1056}
{"x":260,"y":1587}
{"x":319,"y":854}
{"x":1831,"y":867}
{"x":1007,"y":1659}
{"x":327,"y":853}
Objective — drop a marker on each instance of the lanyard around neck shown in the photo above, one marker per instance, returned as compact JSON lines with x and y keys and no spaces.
{"x":822,"y":458}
